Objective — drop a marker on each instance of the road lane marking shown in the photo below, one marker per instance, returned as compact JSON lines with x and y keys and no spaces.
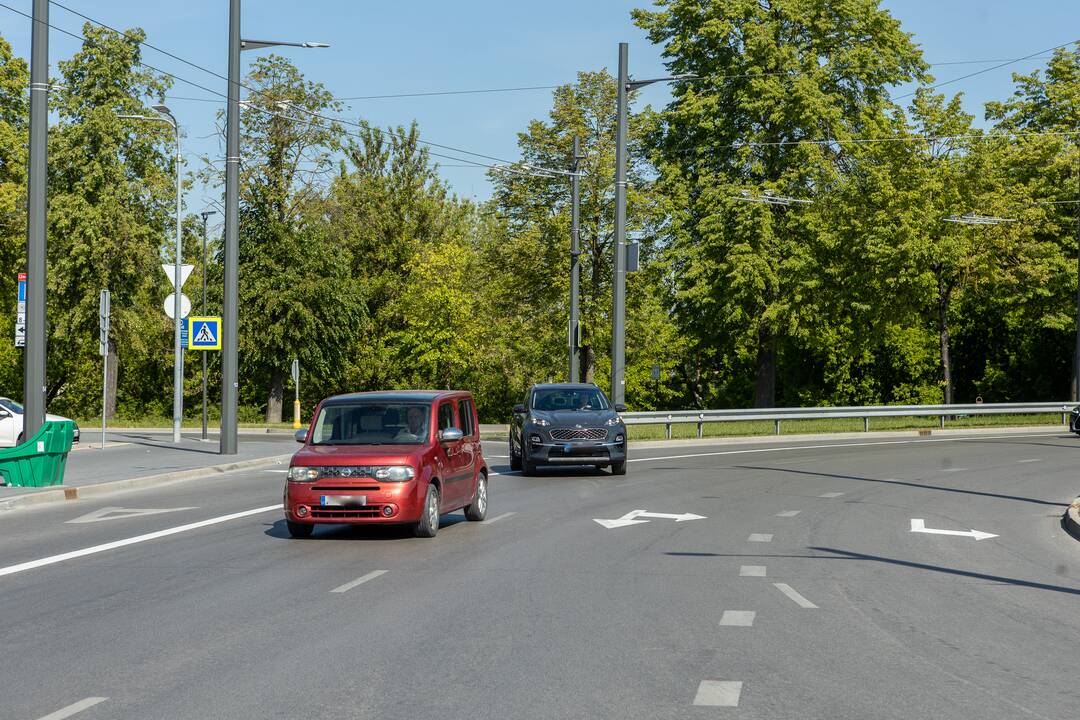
{"x":74,"y":708}
{"x":918,"y":525}
{"x":1030,"y":460}
{"x":94,"y":549}
{"x":630,"y":518}
{"x":788,"y":513}
{"x":120,"y":513}
{"x":501,"y":457}
{"x":954,"y":469}
{"x":794,"y":595}
{"x":718,"y":693}
{"x":830,"y":495}
{"x":738,"y":618}
{"x":497,"y":518}
{"x":759,"y":537}
{"x":752,"y":571}
{"x":278,"y":471}
{"x":358,"y":581}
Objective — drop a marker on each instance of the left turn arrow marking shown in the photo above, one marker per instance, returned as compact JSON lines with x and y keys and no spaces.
{"x":119,"y":513}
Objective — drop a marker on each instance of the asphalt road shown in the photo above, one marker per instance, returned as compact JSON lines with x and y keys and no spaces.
{"x":802,"y":592}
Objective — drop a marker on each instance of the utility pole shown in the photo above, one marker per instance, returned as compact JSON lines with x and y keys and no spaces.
{"x":204,"y":215}
{"x":34,"y":357}
{"x":230,"y":378}
{"x":618,"y":294}
{"x":575,"y":262}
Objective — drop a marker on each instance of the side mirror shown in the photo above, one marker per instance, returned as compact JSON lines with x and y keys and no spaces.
{"x":450,"y":435}
{"x":301,"y":435}
{"x":4,"y":413}
{"x":620,"y":408}
{"x":519,"y":409}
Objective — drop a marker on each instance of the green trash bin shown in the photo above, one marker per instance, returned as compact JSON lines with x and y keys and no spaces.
{"x":40,"y":461}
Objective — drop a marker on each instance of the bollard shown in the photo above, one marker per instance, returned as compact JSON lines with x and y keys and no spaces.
{"x":700,"y":425}
{"x":667,"y":427}
{"x":776,"y":427}
{"x":296,"y":415}
{"x":942,"y":422}
{"x":866,"y":424}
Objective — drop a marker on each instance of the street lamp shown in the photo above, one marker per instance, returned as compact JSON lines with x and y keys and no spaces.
{"x":769,"y":197}
{"x":178,"y":351}
{"x":204,"y":215}
{"x":230,"y":383}
{"x":618,"y":312}
{"x":973,"y":219}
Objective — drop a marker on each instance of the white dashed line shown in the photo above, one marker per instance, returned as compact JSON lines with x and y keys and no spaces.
{"x":953,"y":469}
{"x":759,"y":537}
{"x":52,"y":559}
{"x":74,"y":708}
{"x":1029,"y":460}
{"x":830,"y":495}
{"x":788,"y":513}
{"x":752,"y":571}
{"x":738,"y":618}
{"x":358,"y":581}
{"x":718,"y":693}
{"x":794,"y":595}
{"x":497,"y":518}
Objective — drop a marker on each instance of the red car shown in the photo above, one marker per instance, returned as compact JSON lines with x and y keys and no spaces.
{"x":388,"y":458}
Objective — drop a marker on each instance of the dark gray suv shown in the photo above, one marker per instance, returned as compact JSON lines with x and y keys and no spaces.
{"x":567,"y":424}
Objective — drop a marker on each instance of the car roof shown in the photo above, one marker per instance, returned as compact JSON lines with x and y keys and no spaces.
{"x":393,"y":396}
{"x":565,"y":386}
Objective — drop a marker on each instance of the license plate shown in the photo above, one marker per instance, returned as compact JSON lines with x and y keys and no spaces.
{"x":342,"y":500}
{"x":567,"y":448}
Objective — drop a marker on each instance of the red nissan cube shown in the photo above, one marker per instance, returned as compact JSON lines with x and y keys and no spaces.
{"x":402,"y":457}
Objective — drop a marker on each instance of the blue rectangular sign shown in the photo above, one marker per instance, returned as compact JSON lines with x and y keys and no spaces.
{"x":203,"y":333}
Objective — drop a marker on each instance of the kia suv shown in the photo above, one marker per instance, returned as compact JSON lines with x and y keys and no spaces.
{"x":388,"y":458}
{"x":567,"y":424}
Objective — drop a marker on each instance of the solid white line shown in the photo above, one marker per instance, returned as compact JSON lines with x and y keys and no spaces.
{"x":497,"y":518}
{"x":74,"y":708}
{"x":738,"y":618}
{"x":278,"y":471}
{"x":358,"y":581}
{"x":794,"y":595}
{"x":94,"y":549}
{"x":501,"y":457}
{"x":759,"y":537}
{"x":831,"y":495}
{"x":1030,"y":460}
{"x":752,"y":571}
{"x":788,"y":513}
{"x":718,"y":693}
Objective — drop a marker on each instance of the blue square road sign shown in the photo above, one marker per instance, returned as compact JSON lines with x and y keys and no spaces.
{"x":204,"y":333}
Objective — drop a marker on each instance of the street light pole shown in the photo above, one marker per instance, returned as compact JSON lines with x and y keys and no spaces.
{"x":230,"y":378}
{"x":178,"y":350}
{"x":575,"y":261}
{"x":204,"y":214}
{"x":37,"y":171}
{"x":618,"y":294}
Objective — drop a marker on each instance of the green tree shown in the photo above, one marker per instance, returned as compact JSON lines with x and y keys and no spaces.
{"x":14,"y":113}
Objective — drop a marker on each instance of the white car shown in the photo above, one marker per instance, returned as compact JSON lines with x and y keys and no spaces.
{"x":11,"y":423}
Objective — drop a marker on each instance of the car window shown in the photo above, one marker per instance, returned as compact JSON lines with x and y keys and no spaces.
{"x":464,"y":408}
{"x":371,"y":423}
{"x":446,"y":416}
{"x":559,"y":399}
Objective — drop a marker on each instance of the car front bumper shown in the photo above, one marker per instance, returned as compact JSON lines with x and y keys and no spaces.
{"x":576,"y":452}
{"x":338,"y":501}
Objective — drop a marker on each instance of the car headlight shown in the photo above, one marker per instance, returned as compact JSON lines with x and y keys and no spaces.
{"x":304,"y":474}
{"x":613,"y":421}
{"x":541,"y":422}
{"x":395,"y":473}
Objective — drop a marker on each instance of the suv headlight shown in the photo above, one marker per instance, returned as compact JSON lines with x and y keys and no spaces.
{"x":541,"y":422}
{"x":395,"y":473}
{"x":304,"y":474}
{"x":610,"y":422}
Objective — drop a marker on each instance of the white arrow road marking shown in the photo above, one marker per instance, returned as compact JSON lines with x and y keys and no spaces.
{"x":630,"y":518}
{"x":794,"y":594}
{"x":119,"y":513}
{"x":919,"y":526}
{"x":74,"y":708}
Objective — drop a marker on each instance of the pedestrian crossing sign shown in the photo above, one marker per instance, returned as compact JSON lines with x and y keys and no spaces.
{"x":204,"y":333}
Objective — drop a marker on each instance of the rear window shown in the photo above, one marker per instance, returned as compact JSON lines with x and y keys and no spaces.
{"x":372,"y":423}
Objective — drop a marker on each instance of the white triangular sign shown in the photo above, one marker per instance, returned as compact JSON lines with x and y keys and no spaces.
{"x":170,"y":272}
{"x":205,"y":336}
{"x":119,"y":513}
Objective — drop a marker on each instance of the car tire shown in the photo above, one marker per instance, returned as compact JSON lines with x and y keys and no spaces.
{"x":300,"y":530}
{"x":515,"y":460}
{"x":618,"y":467}
{"x":477,"y":511}
{"x":21,"y":439}
{"x":428,"y":524}
{"x":528,"y":467}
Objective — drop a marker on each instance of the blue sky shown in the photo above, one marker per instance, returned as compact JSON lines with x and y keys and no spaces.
{"x":426,"y":45}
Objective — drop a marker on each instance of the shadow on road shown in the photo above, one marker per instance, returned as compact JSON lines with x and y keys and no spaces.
{"x":344,"y":532}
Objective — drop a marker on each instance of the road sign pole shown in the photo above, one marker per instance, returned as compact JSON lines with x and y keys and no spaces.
{"x":296,"y":390}
{"x":105,"y":312}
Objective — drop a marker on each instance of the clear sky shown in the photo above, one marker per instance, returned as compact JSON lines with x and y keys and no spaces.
{"x":380,"y":48}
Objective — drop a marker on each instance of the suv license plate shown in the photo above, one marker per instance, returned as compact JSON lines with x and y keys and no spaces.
{"x":342,"y":500}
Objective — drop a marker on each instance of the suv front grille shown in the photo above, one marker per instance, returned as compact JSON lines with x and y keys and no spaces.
{"x":578,"y":434}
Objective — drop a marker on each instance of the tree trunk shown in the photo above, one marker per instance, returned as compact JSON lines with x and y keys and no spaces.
{"x":273,"y":404}
{"x":943,"y":327}
{"x":588,"y":363}
{"x":111,"y":378}
{"x":765,"y":392}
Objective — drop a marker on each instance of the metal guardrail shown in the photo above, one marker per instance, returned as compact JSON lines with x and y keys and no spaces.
{"x":778,"y":415}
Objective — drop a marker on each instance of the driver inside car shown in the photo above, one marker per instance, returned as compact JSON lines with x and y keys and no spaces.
{"x":415,"y":425}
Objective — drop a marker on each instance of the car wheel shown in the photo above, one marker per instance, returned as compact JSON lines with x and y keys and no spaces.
{"x":428,"y":525}
{"x":21,"y":439}
{"x":528,"y":467}
{"x":618,"y":467}
{"x":299,"y":530}
{"x":515,"y":458}
{"x":478,"y":509}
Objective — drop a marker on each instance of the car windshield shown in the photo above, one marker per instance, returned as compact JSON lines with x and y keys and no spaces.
{"x":372,"y":423}
{"x":11,"y":405}
{"x":556,"y":399}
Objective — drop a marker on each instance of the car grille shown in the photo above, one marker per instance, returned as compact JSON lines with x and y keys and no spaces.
{"x":366,"y":511}
{"x":346,"y":488}
{"x":349,"y":471}
{"x":578,"y":434}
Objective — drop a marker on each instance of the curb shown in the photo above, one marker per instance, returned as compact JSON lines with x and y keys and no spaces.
{"x":1071,"y":519}
{"x":59,"y":494}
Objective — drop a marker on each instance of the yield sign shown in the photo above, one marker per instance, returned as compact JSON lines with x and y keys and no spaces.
{"x":119,"y":513}
{"x":170,"y":272}
{"x":631,"y":518}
